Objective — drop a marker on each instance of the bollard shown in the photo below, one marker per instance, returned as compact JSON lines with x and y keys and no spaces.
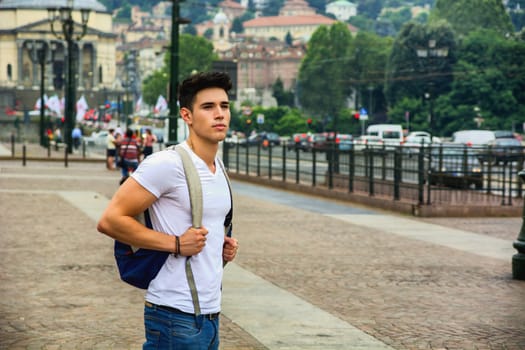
{"x":24,"y":150}
{"x":65,"y":157}
{"x":518,"y":260}
{"x":12,"y":145}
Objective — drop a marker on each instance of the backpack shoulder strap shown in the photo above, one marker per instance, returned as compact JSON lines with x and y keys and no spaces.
{"x":195,"y":190}
{"x":194,"y":186}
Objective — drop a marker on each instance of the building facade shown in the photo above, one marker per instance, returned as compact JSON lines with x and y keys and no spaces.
{"x":24,"y":24}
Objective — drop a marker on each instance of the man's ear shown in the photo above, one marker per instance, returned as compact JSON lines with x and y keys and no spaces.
{"x":185,"y":114}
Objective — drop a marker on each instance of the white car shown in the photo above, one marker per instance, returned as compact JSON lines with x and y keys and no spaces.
{"x":97,"y":138}
{"x":418,"y":138}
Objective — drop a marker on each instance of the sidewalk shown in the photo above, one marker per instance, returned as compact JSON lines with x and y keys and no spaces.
{"x":311,"y":273}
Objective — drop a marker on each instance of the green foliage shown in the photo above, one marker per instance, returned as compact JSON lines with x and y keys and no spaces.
{"x":468,"y":15}
{"x":418,"y":112}
{"x":195,"y":54}
{"x":155,"y":85}
{"x":283,"y":97}
{"x":291,"y":122}
{"x":409,"y":75}
{"x":323,"y":89}
{"x":398,"y":18}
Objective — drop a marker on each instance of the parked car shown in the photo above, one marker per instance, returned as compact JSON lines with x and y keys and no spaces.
{"x":502,"y":150}
{"x":300,"y":141}
{"x":473,"y":137}
{"x":455,"y":166}
{"x":97,"y":138}
{"x":418,"y":138}
{"x":415,"y":140}
{"x":389,"y":134}
{"x":504,"y":134}
{"x":367,"y":141}
{"x":322,"y":141}
{"x":344,"y":142}
{"x":264,"y":138}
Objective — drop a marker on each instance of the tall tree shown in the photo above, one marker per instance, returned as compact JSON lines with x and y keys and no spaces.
{"x":323,"y":87}
{"x":368,"y":58}
{"x":422,"y":57}
{"x":195,"y":54}
{"x":468,"y":15}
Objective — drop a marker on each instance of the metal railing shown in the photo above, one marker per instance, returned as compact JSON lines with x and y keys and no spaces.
{"x":422,"y":175}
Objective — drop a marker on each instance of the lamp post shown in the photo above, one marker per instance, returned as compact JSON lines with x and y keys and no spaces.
{"x":129,"y":85}
{"x":431,"y":54}
{"x":174,"y":71}
{"x":65,"y":16}
{"x":41,"y":54}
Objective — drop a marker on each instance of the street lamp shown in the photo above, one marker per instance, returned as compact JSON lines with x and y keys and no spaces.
{"x":174,"y":70}
{"x":431,"y":55}
{"x":41,"y":53}
{"x":65,"y":16}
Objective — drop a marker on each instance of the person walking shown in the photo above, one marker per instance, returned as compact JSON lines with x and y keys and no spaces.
{"x":149,"y":141}
{"x":159,"y":183}
{"x":76,"y":134}
{"x":129,"y":155}
{"x":111,"y":150}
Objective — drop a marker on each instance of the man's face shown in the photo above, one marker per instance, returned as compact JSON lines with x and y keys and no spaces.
{"x":210,"y":117}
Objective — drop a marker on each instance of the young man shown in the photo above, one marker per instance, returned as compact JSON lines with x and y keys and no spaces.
{"x":159,"y":184}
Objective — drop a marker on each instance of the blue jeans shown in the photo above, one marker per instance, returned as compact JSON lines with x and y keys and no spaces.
{"x":169,"y":330}
{"x":128,"y":165}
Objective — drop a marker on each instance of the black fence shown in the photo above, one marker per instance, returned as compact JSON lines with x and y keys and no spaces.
{"x":422,"y":175}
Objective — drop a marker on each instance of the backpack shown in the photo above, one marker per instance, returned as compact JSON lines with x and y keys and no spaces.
{"x":139,"y":267}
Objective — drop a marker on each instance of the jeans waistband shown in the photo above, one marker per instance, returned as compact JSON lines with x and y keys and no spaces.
{"x":175,"y":310}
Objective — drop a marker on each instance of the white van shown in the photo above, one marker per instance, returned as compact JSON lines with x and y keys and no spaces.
{"x":473,"y":137}
{"x":389,"y":134}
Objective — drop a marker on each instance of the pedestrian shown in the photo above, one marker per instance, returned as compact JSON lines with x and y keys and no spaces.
{"x":149,"y":140}
{"x":159,"y":184}
{"x":76,"y":134}
{"x":58,"y":138}
{"x":129,"y":155}
{"x":111,"y":149}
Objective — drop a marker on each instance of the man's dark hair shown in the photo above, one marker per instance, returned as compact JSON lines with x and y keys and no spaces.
{"x":200,"y":81}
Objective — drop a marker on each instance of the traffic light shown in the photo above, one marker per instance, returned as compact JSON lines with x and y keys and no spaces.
{"x":356,"y":115}
{"x":309,"y":122}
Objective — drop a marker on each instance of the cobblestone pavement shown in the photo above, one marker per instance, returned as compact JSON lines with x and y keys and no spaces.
{"x":60,"y":290}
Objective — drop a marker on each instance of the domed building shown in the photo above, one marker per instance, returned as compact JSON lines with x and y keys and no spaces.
{"x":25,"y":26}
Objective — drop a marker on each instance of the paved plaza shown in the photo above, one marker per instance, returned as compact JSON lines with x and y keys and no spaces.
{"x":310,"y":274}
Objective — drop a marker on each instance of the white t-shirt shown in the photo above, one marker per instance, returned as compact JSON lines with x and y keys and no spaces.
{"x":162,"y":174}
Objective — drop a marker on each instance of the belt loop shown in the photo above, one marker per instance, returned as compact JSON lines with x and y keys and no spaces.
{"x":199,"y":320}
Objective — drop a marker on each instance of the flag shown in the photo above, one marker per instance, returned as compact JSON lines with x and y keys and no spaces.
{"x":53,"y":104}
{"x":82,"y":107}
{"x":162,"y":105}
{"x":39,"y":102}
{"x":138,"y":105}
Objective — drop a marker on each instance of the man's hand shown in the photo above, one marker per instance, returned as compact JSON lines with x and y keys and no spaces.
{"x":230,"y":248}
{"x":193,"y":241}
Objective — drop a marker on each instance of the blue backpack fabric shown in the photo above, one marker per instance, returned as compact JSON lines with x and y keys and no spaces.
{"x":139,"y":267}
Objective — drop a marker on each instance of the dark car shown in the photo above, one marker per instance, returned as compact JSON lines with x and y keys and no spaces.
{"x":300,"y":142}
{"x":324,"y":141}
{"x":264,"y":138}
{"x":502,"y":150}
{"x":455,"y":166}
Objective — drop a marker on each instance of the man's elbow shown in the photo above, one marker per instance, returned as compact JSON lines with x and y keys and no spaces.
{"x":102,"y":226}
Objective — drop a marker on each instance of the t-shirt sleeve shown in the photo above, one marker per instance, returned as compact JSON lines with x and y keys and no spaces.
{"x":158,"y":172}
